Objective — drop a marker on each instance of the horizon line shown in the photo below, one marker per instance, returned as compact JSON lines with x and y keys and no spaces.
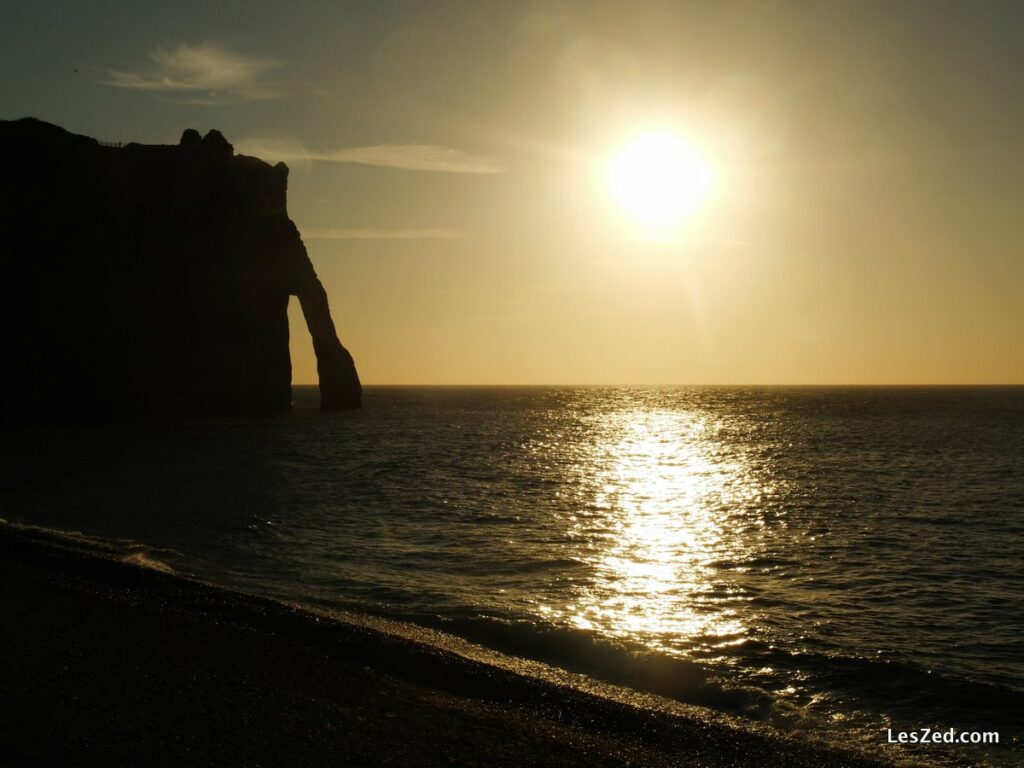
{"x":881,"y":384}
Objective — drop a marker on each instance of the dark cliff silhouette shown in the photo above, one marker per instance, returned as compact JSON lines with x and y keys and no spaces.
{"x":152,"y":280}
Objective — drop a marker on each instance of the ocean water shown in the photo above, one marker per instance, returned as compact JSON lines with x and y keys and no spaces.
{"x":831,"y":561}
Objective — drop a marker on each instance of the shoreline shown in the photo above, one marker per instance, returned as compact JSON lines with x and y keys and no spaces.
{"x":111,"y":662}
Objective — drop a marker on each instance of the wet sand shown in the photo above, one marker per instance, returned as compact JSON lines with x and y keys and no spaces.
{"x":109,"y":663}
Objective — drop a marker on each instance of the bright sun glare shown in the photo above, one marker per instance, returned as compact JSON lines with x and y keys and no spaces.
{"x":660,"y":180}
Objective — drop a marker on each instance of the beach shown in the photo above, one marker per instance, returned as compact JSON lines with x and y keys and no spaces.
{"x":111,"y":662}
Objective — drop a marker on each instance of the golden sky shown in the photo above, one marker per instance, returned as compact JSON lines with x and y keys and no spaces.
{"x":450,"y":175}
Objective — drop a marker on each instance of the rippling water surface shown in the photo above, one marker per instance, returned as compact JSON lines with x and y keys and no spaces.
{"x":837,"y":561}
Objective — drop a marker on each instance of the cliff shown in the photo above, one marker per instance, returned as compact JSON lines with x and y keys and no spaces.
{"x":152,"y":280}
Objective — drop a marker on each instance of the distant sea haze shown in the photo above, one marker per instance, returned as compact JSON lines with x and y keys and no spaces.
{"x":839,"y":561}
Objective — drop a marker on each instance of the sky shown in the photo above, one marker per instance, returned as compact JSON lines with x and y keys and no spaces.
{"x":862,"y":222}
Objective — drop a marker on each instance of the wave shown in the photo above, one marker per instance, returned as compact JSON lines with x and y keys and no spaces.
{"x":125,"y":550}
{"x":914,"y":692}
{"x":834,"y":686}
{"x":630,"y":665}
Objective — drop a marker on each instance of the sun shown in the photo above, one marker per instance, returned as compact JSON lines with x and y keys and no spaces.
{"x":660,"y":180}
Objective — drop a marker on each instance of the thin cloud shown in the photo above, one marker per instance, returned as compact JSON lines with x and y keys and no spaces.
{"x":410,"y":157}
{"x":203,"y":74}
{"x":383,"y":234}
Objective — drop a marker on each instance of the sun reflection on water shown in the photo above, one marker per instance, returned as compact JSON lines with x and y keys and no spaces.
{"x":660,"y":489}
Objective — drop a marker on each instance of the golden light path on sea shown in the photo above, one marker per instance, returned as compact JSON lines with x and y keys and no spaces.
{"x":661,"y":490}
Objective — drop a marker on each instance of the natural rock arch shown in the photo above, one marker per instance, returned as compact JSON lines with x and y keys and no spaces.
{"x":152,"y":280}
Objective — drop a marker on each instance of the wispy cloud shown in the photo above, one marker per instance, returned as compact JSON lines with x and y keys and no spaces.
{"x":383,"y":234}
{"x":203,"y":73}
{"x":410,"y":157}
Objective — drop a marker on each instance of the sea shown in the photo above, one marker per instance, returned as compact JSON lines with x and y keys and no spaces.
{"x":843,"y":563}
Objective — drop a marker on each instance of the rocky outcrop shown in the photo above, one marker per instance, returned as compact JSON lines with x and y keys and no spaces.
{"x":152,"y":280}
